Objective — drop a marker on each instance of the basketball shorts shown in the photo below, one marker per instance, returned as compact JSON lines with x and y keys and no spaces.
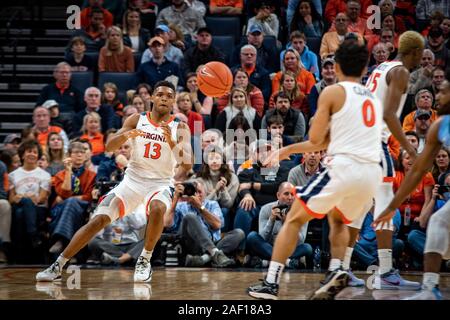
{"x":132,"y":195}
{"x":387,"y":164}
{"x":345,"y":184}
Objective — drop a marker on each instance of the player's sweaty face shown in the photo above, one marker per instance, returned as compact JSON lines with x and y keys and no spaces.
{"x":163,"y":97}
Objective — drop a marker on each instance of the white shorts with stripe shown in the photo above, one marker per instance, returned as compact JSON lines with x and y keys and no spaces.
{"x":345,"y":184}
{"x":387,"y":164}
{"x":133,"y":194}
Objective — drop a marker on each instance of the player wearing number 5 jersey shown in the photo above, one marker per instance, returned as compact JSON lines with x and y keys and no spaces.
{"x":389,"y":82}
{"x":159,"y":143}
{"x":348,"y":124}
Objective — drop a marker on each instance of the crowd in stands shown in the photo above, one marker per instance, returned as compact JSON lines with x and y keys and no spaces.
{"x":56,"y":171}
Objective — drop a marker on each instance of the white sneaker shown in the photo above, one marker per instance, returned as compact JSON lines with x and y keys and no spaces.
{"x":52,"y":273}
{"x":142,"y":291}
{"x":143,"y":271}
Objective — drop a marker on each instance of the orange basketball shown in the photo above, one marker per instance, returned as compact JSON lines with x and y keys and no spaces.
{"x":214,"y":79}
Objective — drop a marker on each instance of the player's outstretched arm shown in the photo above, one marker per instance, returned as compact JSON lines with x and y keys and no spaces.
{"x":420,"y":167}
{"x":183,"y":152}
{"x":127,"y":131}
{"x":391,"y":103}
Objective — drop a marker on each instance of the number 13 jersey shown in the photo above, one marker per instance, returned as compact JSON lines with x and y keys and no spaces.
{"x":152,"y":159}
{"x":378,"y":85}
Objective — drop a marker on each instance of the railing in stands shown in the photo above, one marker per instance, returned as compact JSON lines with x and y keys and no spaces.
{"x":16,"y":16}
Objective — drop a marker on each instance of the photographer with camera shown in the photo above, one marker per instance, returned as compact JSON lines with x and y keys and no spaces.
{"x":198,"y":222}
{"x":271,"y":219}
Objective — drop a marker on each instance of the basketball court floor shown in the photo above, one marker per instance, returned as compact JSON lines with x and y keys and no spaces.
{"x":17,"y":283}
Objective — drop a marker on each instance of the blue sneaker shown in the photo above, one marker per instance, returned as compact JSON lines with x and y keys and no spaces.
{"x":264,"y":290}
{"x":433,"y":294}
{"x":353,"y":281}
{"x":393,"y":281}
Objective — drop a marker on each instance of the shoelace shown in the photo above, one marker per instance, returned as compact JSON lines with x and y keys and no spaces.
{"x":141,"y":264}
{"x":55,"y":268}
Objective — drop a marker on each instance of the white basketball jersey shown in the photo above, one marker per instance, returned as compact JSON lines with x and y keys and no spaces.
{"x":151,"y":156}
{"x":355,"y":130}
{"x":378,"y":85}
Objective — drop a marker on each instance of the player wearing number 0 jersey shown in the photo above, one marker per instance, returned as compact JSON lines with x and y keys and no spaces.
{"x":389,"y":82}
{"x":159,"y":143}
{"x":348,"y":124}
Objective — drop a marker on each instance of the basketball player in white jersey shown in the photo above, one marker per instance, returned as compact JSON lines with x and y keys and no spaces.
{"x":389,"y":82}
{"x":437,"y":244}
{"x":348,"y":124}
{"x":159,"y":142}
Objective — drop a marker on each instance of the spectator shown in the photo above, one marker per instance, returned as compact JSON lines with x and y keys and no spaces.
{"x":308,"y":58}
{"x":95,"y":5}
{"x":293,"y":120}
{"x":201,"y":53}
{"x":278,"y":139}
{"x":289,"y":86}
{"x":182,"y":15}
{"x":159,"y":67}
{"x":292,"y":62}
{"x":55,"y":151}
{"x":88,"y":163}
{"x":357,"y":24}
{"x":91,"y":130}
{"x":437,"y":78}
{"x":254,"y":95}
{"x":445,"y":26}
{"x":424,"y":102}
{"x":79,"y":61}
{"x":113,"y":169}
{"x":310,"y":166}
{"x":258,"y":75}
{"x":271,"y":219}
{"x":202,"y":104}
{"x":328,"y":78}
{"x":140,"y":104}
{"x":176,"y":37}
{"x":56,"y":118}
{"x":120,"y":242}
{"x":5,"y":214}
{"x":435,"y":22}
{"x":41,"y":121}
{"x":422,"y":120}
{"x":95,"y":33}
{"x":441,"y":166}
{"x":412,"y":138}
{"x":145,"y":92}
{"x":110,"y":96}
{"x":73,"y":187}
{"x":266,"y":53}
{"x":134,"y":36}
{"x":221,"y":184}
{"x":29,"y":188}
{"x":44,"y":161}
{"x":238,"y":104}
{"x":114,"y":56}
{"x":380,"y":54}
{"x":128,"y":111}
{"x":12,"y":142}
{"x":148,"y":10}
{"x":193,"y":119}
{"x":436,"y":43}
{"x":68,"y":97}
{"x":421,"y":78}
{"x":198,"y":6}
{"x":258,"y":186}
{"x":334,"y":7}
{"x":92,"y":97}
{"x":387,"y":8}
{"x":332,"y":39}
{"x":425,"y":9}
{"x":171,"y":52}
{"x":418,"y":200}
{"x":226,"y":7}
{"x":199,"y":221}
{"x":11,"y":159}
{"x":307,"y":20}
{"x":266,"y":20}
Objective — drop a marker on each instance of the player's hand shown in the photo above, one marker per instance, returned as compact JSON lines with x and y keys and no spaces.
{"x":167,"y":134}
{"x":384,"y":218}
{"x":133,"y":134}
{"x":247,"y":203}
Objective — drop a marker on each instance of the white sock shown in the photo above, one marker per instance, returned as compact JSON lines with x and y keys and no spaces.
{"x":288,"y":260}
{"x":147,"y":254}
{"x":335,"y":264}
{"x":385,"y":258}
{"x":347,"y":258}
{"x":274,"y":274}
{"x":265,"y":263}
{"x":430,"y":280}
{"x":62,"y":261}
{"x":206,"y":258}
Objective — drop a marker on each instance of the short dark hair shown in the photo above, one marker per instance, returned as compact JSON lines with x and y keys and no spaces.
{"x":352,"y":57}
{"x":164,"y":83}
{"x":412,"y":133}
{"x":275,"y":119}
{"x":95,"y":10}
{"x":27,"y":145}
{"x":281,"y":94}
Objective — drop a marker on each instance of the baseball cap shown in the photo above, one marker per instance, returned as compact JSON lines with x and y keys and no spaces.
{"x":156,"y":39}
{"x":162,"y":27}
{"x":204,"y":29}
{"x":421,"y":113}
{"x":255,"y":28}
{"x":11,"y":137}
{"x":327,"y":61}
{"x":50,"y":103}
